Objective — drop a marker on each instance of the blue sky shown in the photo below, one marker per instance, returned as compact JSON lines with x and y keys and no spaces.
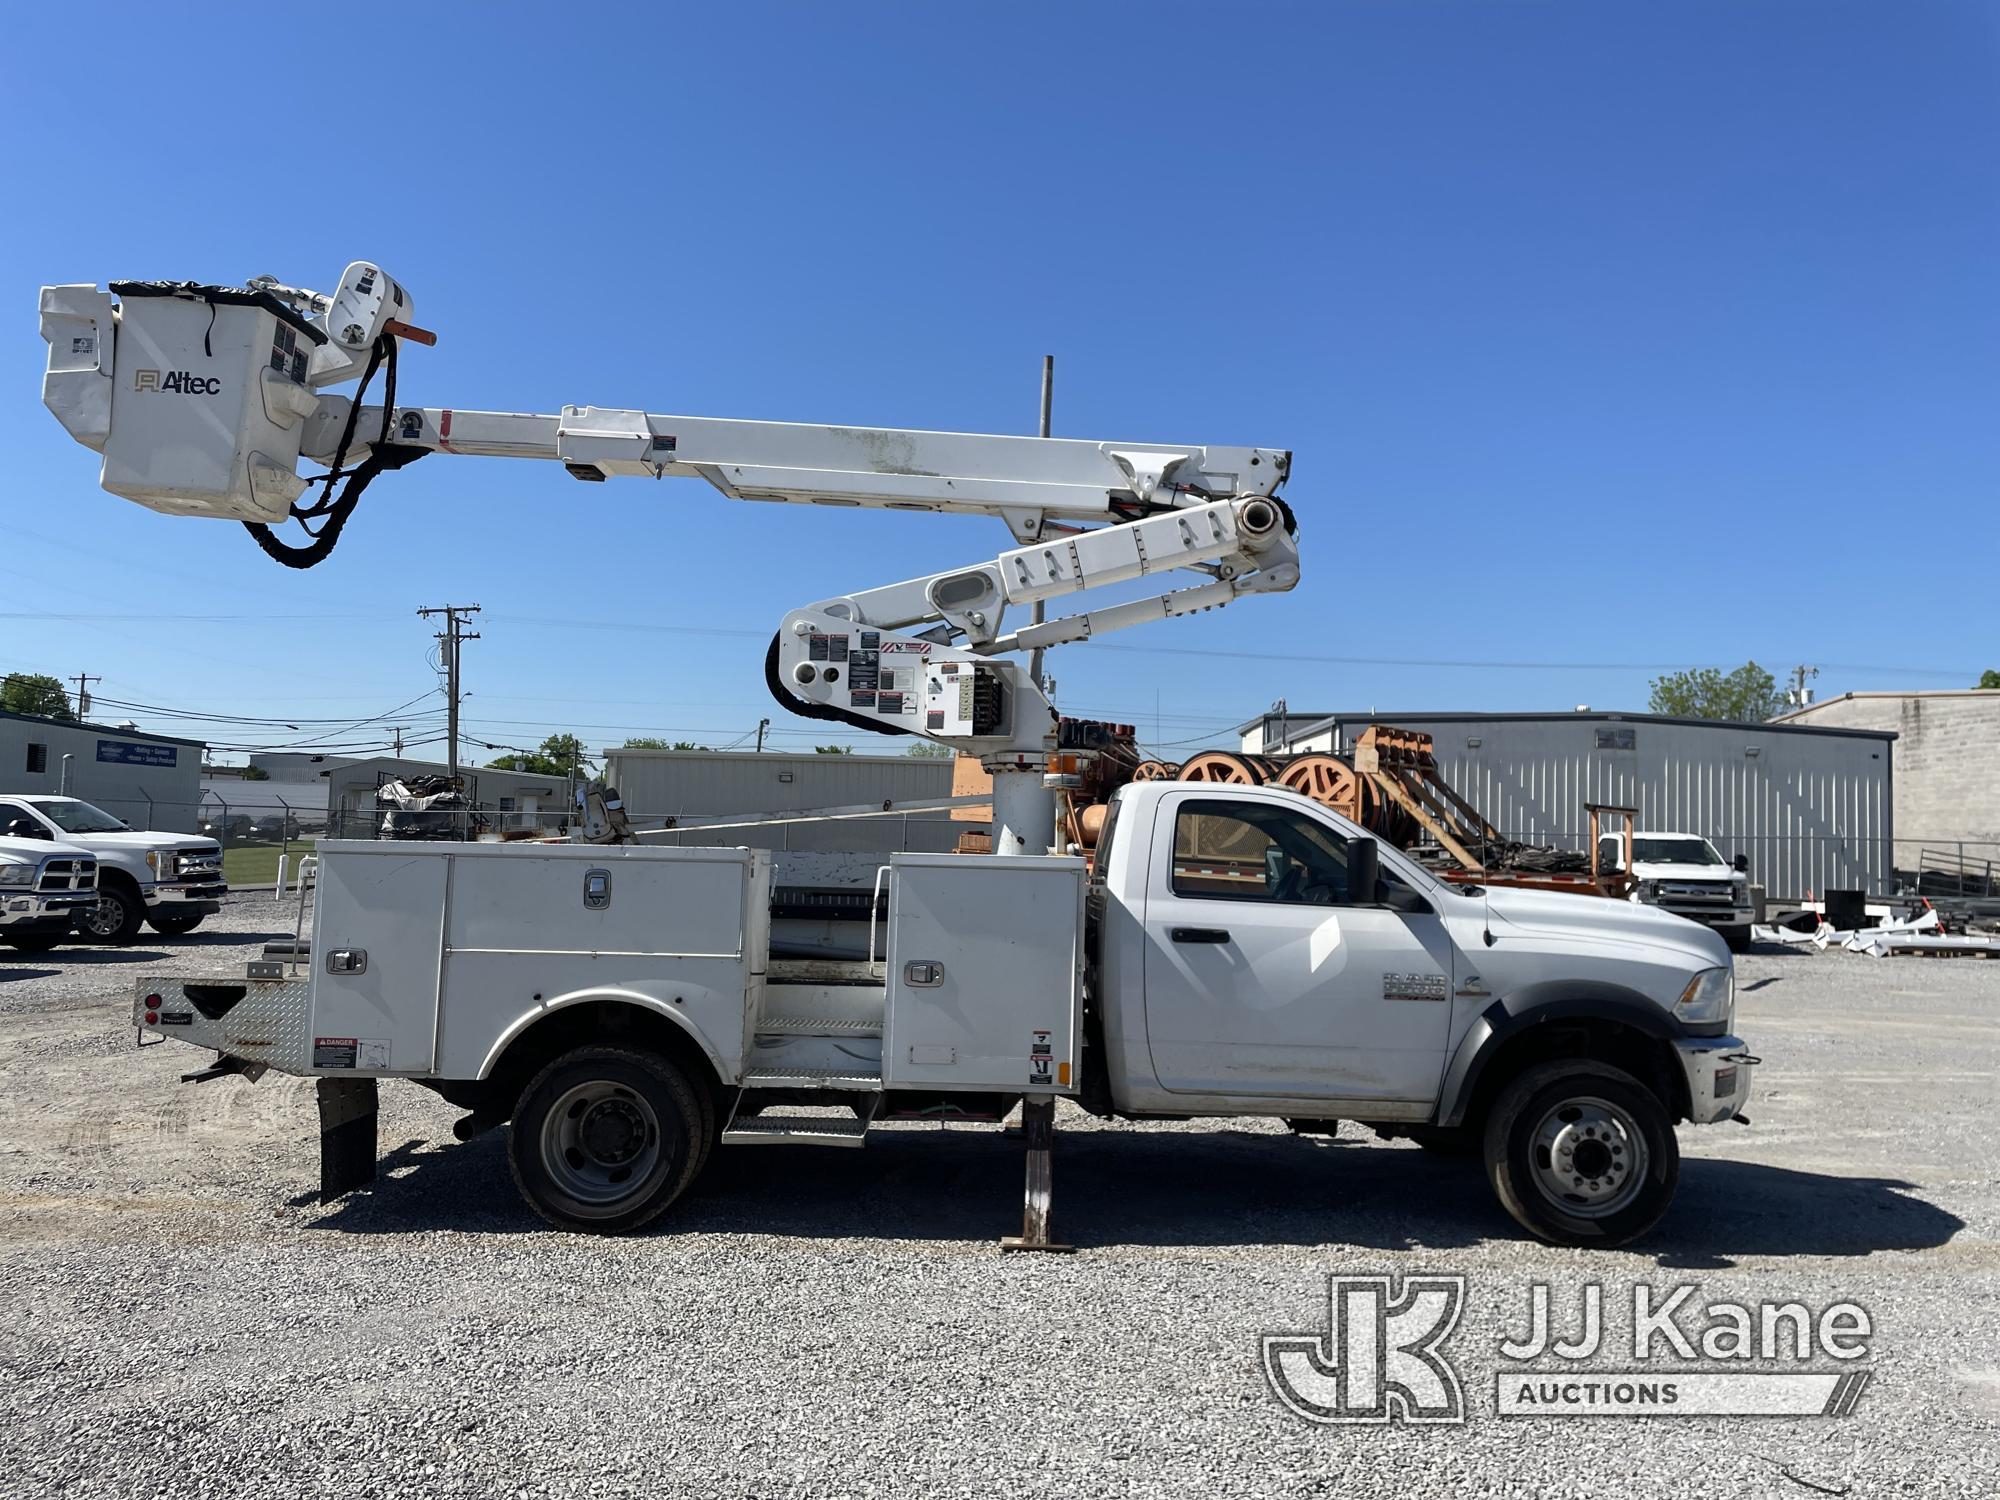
{"x":1608,"y":337}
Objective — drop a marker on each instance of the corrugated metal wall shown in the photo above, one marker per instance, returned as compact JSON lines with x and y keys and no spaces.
{"x":1811,"y":811}
{"x":656,"y":783}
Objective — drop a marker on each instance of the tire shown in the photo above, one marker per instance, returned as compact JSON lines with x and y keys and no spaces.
{"x":603,"y":1139}
{"x":117,"y":917}
{"x":175,"y":923}
{"x":1606,"y":1118}
{"x":1738,"y":938}
{"x":34,"y":942}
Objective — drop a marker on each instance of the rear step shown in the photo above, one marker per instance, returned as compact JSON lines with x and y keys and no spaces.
{"x":813,"y":1078}
{"x":815,"y":1026}
{"x":797,"y":1130}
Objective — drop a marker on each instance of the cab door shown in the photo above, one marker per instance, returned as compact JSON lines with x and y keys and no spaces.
{"x":1266,"y":976}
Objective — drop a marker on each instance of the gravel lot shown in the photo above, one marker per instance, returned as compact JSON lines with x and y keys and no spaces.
{"x":177,"y":1316}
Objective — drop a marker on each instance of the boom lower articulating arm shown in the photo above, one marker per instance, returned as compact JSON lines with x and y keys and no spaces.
{"x":204,"y":399}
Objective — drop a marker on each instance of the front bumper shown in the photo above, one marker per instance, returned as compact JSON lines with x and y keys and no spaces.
{"x":200,"y":894}
{"x":1711,"y":915}
{"x":1718,"y":1077}
{"x":31,"y":911}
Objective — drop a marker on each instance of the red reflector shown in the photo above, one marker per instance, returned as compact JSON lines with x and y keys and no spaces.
{"x":152,"y":1018}
{"x":152,"y":1002}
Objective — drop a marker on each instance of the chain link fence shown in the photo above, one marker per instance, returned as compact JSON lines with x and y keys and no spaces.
{"x":273,"y":820}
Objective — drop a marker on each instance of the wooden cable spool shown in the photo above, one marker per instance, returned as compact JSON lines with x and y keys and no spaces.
{"x":1331,"y":782}
{"x":1156,"y":770}
{"x":1228,"y":768}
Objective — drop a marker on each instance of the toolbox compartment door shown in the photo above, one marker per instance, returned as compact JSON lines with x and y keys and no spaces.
{"x":387,"y":903}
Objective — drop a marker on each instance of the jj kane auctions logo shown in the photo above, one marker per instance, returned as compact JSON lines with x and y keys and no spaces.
{"x":1382,"y":1357}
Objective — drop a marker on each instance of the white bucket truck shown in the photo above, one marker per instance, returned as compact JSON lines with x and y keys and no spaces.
{"x":1239,"y":950}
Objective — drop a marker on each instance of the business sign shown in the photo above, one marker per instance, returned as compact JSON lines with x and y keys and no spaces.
{"x":124,"y":753}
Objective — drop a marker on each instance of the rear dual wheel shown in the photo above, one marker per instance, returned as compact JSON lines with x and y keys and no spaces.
{"x":605,"y":1138}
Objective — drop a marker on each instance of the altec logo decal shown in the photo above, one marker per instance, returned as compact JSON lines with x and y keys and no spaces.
{"x":184,"y":381}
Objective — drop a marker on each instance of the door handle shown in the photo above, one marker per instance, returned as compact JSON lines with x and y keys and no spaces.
{"x":1200,"y":935}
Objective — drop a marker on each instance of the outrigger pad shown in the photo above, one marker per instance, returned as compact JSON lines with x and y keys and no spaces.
{"x":346,"y":1135}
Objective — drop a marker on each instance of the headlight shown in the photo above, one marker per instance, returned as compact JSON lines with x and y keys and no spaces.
{"x":153,"y":861}
{"x":17,"y":874}
{"x":1709,"y":997}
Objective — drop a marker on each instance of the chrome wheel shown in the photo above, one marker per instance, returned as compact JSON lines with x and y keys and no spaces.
{"x":1589,"y":1156}
{"x":600,"y":1145}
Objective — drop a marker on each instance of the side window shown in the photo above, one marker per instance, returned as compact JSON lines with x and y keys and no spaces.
{"x":38,"y":759}
{"x":1252,"y":851}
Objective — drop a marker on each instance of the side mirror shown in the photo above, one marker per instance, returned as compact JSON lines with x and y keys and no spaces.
{"x":1364,"y":872}
{"x":1740,"y":864}
{"x":24,"y":828}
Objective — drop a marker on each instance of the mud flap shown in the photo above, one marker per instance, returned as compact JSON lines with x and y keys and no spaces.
{"x":346,"y":1135}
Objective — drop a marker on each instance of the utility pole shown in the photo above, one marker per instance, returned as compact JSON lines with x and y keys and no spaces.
{"x":83,"y":682}
{"x":762,"y":725}
{"x":1038,"y":612}
{"x":453,"y":636}
{"x":1799,"y":694}
{"x":398,"y":732}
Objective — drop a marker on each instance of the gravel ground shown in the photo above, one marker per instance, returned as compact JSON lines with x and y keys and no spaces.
{"x":178,"y":1316}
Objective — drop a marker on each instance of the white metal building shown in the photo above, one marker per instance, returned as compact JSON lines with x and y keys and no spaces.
{"x":1812,"y":807}
{"x":149,"y":780}
{"x":685,"y":783}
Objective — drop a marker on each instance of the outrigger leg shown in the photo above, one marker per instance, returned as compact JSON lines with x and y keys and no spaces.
{"x":346,"y":1135}
{"x":1038,"y":1130}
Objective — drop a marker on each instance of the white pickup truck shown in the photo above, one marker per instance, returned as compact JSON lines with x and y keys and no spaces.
{"x":170,"y":880}
{"x":1682,"y":873}
{"x":1236,"y":951}
{"x":44,"y":887}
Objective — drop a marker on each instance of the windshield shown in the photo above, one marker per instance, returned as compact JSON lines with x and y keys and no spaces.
{"x":80,"y":817}
{"x":1663,"y":851}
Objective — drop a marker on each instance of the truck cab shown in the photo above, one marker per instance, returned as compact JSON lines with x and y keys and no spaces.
{"x":1684,"y":874}
{"x":168,"y":880}
{"x":44,"y":887}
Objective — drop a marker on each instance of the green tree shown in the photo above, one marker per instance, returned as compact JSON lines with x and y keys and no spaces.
{"x":255,"y":773}
{"x":34,"y":693}
{"x":653,"y":742}
{"x":832,"y":750}
{"x":1748,"y":695}
{"x":1989,"y":679}
{"x":927,"y":750}
{"x":560,"y":755}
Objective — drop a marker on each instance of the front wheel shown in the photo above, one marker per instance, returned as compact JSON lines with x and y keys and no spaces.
{"x":1581,"y":1153}
{"x":1738,"y":938}
{"x":117,"y":917}
{"x":175,"y":923}
{"x":603,"y":1139}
